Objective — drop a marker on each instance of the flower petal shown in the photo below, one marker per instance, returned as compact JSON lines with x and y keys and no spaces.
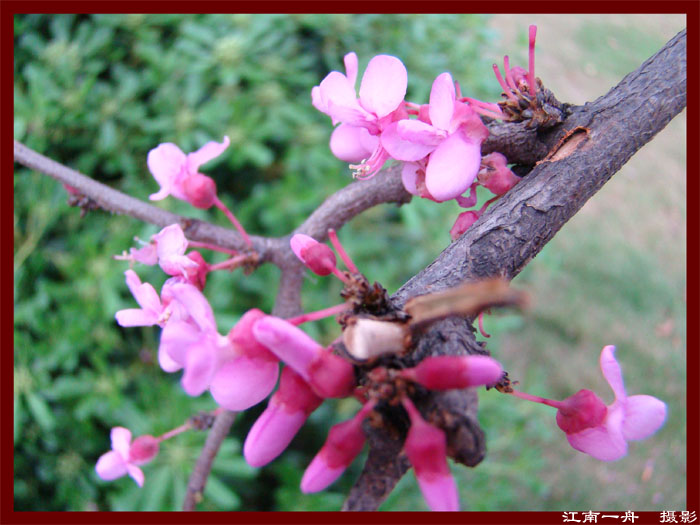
{"x":350,"y":61}
{"x":644,"y":415}
{"x":166,"y":162}
{"x":136,"y":317}
{"x":319,"y":475}
{"x":200,"y":366}
{"x":196,"y":304}
{"x":348,"y":144}
{"x":121,"y":441}
{"x":383,"y":85}
{"x":612,"y":372}
{"x":209,"y":151}
{"x":243,"y":382}
{"x":440,"y":493}
{"x":409,"y":140}
{"x":604,"y":442}
{"x":442,"y":101}
{"x":136,"y":474}
{"x":271,"y":434}
{"x":175,"y":339}
{"x":409,"y":176}
{"x":338,"y":96}
{"x":111,"y":465}
{"x":144,"y":293}
{"x":452,"y":167}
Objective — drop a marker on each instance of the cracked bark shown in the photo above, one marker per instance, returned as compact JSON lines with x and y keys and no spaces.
{"x":516,"y":228}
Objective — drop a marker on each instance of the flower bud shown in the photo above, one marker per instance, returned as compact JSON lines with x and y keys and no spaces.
{"x":463,"y":223}
{"x":318,"y":257}
{"x":448,"y":372}
{"x":200,"y":190}
{"x":143,"y":449}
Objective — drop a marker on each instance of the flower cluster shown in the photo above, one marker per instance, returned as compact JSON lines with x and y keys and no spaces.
{"x":439,"y":143}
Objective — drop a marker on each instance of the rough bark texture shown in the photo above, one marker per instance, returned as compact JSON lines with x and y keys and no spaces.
{"x":573,"y":161}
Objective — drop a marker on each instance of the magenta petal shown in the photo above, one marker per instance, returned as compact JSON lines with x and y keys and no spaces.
{"x":301,"y":242}
{"x":383,"y":85}
{"x":136,"y":474}
{"x":110,"y":466}
{"x":170,"y":240}
{"x":136,"y":317}
{"x":452,"y":167}
{"x":442,"y":101}
{"x":209,"y":151}
{"x":271,"y":434}
{"x":644,"y":415}
{"x":200,"y":366}
{"x":316,"y":100}
{"x":165,"y":163}
{"x":288,"y":343}
{"x":319,"y":475}
{"x":348,"y":144}
{"x":166,"y":362}
{"x":338,"y":96}
{"x":612,"y":371}
{"x":243,"y":382}
{"x":419,"y":140}
{"x":604,"y":442}
{"x":440,"y":493}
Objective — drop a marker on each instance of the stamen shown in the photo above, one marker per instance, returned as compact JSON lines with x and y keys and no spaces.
{"x":531,"y":63}
{"x":481,"y":325}
{"x":486,"y":109}
{"x":341,"y":251}
{"x":509,"y":76}
{"x":506,"y":89}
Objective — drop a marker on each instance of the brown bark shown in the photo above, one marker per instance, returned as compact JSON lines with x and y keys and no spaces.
{"x":574,"y":160}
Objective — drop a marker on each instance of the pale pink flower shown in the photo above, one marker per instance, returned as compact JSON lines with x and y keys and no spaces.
{"x":426,"y":448}
{"x":178,"y":173}
{"x":126,"y":455}
{"x":171,"y":244}
{"x":603,"y":434}
{"x":286,"y":413}
{"x":451,"y":141}
{"x":363,"y":119}
{"x":152,"y":311}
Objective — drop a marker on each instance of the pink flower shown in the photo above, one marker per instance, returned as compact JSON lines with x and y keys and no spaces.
{"x":126,"y":455}
{"x":451,"y":140}
{"x":327,"y":374}
{"x":448,"y":372}
{"x":178,"y":174}
{"x":345,"y":441}
{"x":363,"y":119}
{"x":426,"y":449}
{"x":285,"y":414}
{"x":238,"y":370}
{"x":602,"y":432}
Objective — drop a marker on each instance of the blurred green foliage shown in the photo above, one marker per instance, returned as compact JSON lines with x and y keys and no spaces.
{"x":97,"y":92}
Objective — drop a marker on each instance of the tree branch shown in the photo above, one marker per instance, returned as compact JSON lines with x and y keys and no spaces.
{"x":590,"y":146}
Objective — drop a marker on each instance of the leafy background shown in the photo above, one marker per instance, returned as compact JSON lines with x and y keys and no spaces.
{"x":96,"y":92}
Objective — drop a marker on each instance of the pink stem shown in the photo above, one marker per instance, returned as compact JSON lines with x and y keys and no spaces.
{"x":341,"y":251}
{"x":175,"y":432}
{"x":509,"y":77}
{"x":506,"y":89}
{"x":214,"y":247}
{"x":234,"y":262}
{"x":537,"y":399}
{"x":340,"y":275}
{"x":319,"y":314}
{"x":531,"y":62}
{"x":234,"y":221}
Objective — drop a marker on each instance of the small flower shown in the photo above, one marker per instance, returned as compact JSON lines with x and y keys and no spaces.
{"x":316,"y":256}
{"x":151,"y":311}
{"x":426,"y":448}
{"x":178,"y":174}
{"x":363,"y":119}
{"x":286,"y":413}
{"x":495,"y":175}
{"x":604,"y":434}
{"x":126,"y":455}
{"x":451,"y":141}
